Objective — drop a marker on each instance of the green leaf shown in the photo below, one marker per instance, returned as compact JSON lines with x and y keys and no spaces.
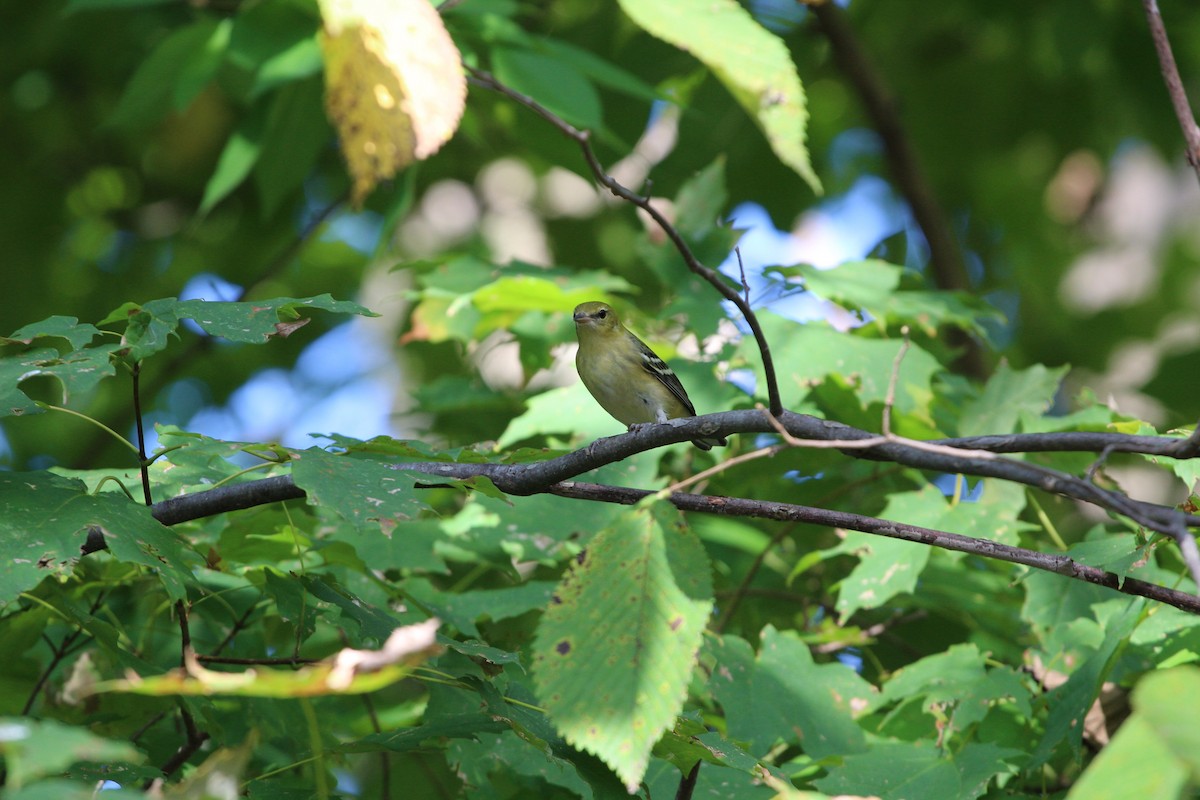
{"x":153,"y":92}
{"x":701,"y":200}
{"x":1070,"y":702}
{"x":296,"y":131}
{"x":370,"y":494}
{"x":1112,"y":552}
{"x":375,"y":623}
{"x":462,"y":609}
{"x":256,"y":322}
{"x":894,"y":770}
{"x":1169,"y":702}
{"x":752,"y":63}
{"x":567,"y":410}
{"x":783,"y":695}
{"x":957,"y":684}
{"x":77,"y":372}
{"x":1137,"y":762}
{"x":277,"y":42}
{"x":69,"y":328}
{"x":867,"y":285}
{"x":614,"y":652}
{"x":148,"y":327}
{"x":807,"y":355}
{"x":35,"y":748}
{"x":598,"y":69}
{"x":237,"y":159}
{"x":1008,"y":394}
{"x":553,"y":82}
{"x":46,"y":520}
{"x":927,"y":311}
{"x":898,"y":770}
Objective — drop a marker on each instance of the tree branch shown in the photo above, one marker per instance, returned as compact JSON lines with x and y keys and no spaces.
{"x":1170,"y":73}
{"x":714,"y":278}
{"x":554,"y":475}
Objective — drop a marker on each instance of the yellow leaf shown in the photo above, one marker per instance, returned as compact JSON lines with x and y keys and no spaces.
{"x":394,"y":85}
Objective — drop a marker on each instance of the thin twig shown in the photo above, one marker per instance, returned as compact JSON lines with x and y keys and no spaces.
{"x":57,"y":654}
{"x":287,"y":661}
{"x":714,"y":278}
{"x":1170,"y":73}
{"x":742,"y":272}
{"x":890,"y":399}
{"x":987,"y":548}
{"x":143,"y":464}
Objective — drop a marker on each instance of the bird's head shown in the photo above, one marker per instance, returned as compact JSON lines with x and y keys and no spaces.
{"x":596,"y":316}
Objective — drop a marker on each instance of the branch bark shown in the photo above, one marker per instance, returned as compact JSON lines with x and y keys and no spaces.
{"x":1170,"y":73}
{"x":553,"y":476}
{"x":714,"y":278}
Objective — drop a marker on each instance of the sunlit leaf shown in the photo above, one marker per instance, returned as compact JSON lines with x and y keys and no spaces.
{"x":395,"y":88}
{"x":753,"y":63}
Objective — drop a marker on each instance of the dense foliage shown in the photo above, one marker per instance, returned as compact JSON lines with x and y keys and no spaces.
{"x":946,"y":554}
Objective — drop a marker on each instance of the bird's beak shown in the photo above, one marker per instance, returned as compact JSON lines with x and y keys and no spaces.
{"x":579,"y":317}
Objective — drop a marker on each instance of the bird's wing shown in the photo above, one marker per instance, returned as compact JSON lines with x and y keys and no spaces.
{"x":659,"y":369}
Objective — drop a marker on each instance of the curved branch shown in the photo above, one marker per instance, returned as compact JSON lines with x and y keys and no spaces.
{"x":786,"y":512}
{"x":281,"y":488}
{"x":714,"y":278}
{"x":939,"y":456}
{"x":1170,"y":72}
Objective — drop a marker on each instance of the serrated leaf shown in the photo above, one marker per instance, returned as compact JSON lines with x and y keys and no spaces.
{"x":614,"y":652}
{"x":868,"y":284}
{"x":395,"y":88}
{"x":256,"y":322}
{"x":77,"y":334}
{"x":366,"y":492}
{"x":77,"y":372}
{"x":752,"y":63}
{"x":783,"y":695}
{"x":46,"y":520}
{"x":1007,"y":395}
{"x":807,"y":355}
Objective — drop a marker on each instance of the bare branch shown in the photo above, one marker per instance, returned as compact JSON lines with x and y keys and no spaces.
{"x":1170,"y":73}
{"x":714,"y":278}
{"x":736,"y":506}
{"x":946,"y":456}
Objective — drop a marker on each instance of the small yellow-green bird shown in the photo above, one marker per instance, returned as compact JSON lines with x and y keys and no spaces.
{"x":625,"y":376}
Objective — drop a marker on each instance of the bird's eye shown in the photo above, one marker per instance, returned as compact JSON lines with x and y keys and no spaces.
{"x":602,"y":314}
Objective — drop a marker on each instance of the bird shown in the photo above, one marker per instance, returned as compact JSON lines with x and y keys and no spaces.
{"x":626,"y":377}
